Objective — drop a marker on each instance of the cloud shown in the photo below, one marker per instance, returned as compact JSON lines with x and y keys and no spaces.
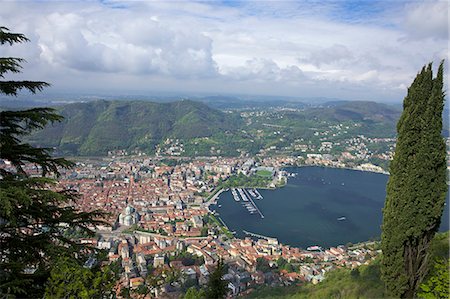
{"x":427,"y":20}
{"x":263,"y":70}
{"x":290,"y":48}
{"x":329,"y":55}
{"x":137,"y":46}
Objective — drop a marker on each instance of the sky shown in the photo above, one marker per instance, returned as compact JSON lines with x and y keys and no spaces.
{"x":352,"y":50}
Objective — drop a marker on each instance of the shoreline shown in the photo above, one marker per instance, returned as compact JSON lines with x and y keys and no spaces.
{"x":334,"y":167}
{"x":286,"y":179}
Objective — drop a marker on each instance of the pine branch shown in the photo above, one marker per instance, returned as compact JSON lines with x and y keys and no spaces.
{"x":12,"y":87}
{"x":17,"y":123}
{"x":10,"y":64}
{"x":11,"y":38}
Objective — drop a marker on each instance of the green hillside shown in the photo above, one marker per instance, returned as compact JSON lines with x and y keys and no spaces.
{"x":93,"y":128}
{"x":365,"y":281}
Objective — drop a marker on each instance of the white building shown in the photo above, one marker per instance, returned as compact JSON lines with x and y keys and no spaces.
{"x":129,"y":216}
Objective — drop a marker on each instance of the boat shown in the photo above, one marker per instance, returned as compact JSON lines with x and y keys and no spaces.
{"x":243,"y":196}
{"x":341,"y":218}
{"x":314,"y":248}
{"x":219,"y":206}
{"x":251,"y":193}
{"x":235,"y":195}
{"x":258,"y":195}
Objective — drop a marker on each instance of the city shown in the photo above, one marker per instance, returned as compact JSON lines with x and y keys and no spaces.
{"x":159,"y":220}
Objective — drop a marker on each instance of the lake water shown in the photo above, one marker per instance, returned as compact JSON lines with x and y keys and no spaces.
{"x":306,"y":211}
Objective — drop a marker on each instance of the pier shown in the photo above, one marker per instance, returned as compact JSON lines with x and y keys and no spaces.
{"x":213,"y":199}
{"x":257,"y":235}
{"x":258,"y":195}
{"x":253,"y":203}
{"x":235,"y":195}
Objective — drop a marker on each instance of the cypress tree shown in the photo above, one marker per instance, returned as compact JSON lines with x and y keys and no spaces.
{"x":217,"y":287}
{"x":34,"y":217}
{"x":417,"y":186}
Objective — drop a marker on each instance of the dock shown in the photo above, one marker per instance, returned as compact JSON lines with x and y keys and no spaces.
{"x":258,"y":195}
{"x":253,"y":203}
{"x":256,"y":235}
{"x":235,"y":195}
{"x":214,"y":198}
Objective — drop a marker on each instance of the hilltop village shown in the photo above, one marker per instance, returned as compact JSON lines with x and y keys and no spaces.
{"x":164,"y":237}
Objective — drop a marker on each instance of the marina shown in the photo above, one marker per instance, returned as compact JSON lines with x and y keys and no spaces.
{"x":243,"y":196}
{"x":247,"y":199}
{"x":304,"y":213}
{"x":235,"y":195}
{"x":257,"y":194}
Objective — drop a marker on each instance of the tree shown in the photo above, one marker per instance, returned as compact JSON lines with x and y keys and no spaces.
{"x":416,"y":188}
{"x":217,"y":287}
{"x":69,"y":279}
{"x":33,"y":216}
{"x":194,"y":293}
{"x":262,"y":265}
{"x":437,"y":285}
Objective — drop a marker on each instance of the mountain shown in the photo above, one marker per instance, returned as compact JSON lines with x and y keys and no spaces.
{"x":228,"y":102}
{"x":94,"y":128}
{"x":358,"y":111}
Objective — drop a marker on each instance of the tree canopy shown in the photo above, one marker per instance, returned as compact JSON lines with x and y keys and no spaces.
{"x":217,"y":287}
{"x":417,"y":186}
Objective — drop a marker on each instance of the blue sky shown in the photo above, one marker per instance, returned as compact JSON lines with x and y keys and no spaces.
{"x":356,"y":50}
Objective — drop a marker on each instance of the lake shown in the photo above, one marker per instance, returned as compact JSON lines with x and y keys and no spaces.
{"x":306,"y":211}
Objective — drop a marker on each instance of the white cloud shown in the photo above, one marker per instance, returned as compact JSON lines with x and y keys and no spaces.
{"x":427,"y":20}
{"x":287,"y":48}
{"x":329,"y":55}
{"x":264,"y":70}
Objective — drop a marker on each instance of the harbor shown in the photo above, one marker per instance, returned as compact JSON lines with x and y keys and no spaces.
{"x":300,"y":212}
{"x":247,"y":199}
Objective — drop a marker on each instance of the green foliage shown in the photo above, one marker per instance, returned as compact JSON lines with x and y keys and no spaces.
{"x":170,"y":162}
{"x":204,"y":231}
{"x":340,"y":283}
{"x":217,"y":287}
{"x":188,"y":259}
{"x":33,"y":217}
{"x":207,"y":132}
{"x":12,"y":65}
{"x":96,"y":127}
{"x":141,"y":290}
{"x":194,"y":293}
{"x":440,"y":246}
{"x":437,"y":285}
{"x":417,"y":186}
{"x":262,"y":265}
{"x":365,"y":281}
{"x":264,"y":173}
{"x":69,"y":279}
{"x":242,"y":180}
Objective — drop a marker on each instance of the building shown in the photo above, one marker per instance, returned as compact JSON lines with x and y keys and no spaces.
{"x":129,"y":216}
